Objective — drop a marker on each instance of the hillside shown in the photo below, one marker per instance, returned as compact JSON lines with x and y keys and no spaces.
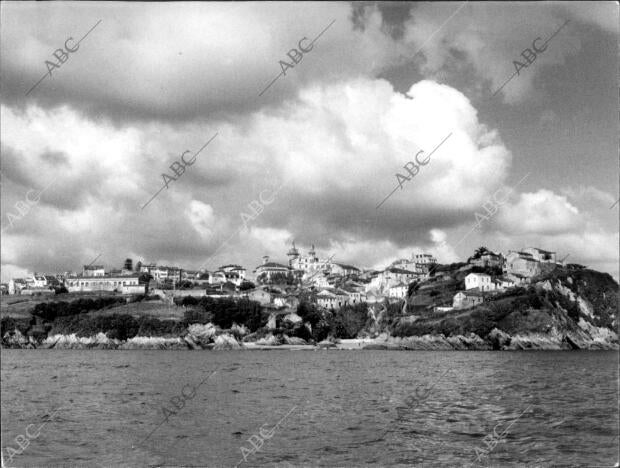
{"x":571,"y":308}
{"x":565,"y":309}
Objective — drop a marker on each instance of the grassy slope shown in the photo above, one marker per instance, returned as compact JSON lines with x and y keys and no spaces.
{"x":525,"y":312}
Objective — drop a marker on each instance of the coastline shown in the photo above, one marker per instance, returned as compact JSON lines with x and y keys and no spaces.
{"x":497,"y":341}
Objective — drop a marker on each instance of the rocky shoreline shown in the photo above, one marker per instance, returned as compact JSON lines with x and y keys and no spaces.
{"x":209,"y":337}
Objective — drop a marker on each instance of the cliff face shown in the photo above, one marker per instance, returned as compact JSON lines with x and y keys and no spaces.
{"x":575,"y":309}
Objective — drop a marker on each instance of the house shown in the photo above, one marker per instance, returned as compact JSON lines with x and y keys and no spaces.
{"x":418,"y":263}
{"x":16,"y":285}
{"x":259,"y":295}
{"x":38,"y":281}
{"x":398,"y":291}
{"x":480,"y":281}
{"x":465,"y":299}
{"x":118,"y":283}
{"x":521,"y":263}
{"x":52,"y":280}
{"x":517,"y":279}
{"x":147,"y":268}
{"x":228,"y":274}
{"x":236,"y":269}
{"x":391,"y":277}
{"x":318,"y":279}
{"x":488,"y":259}
{"x":93,"y":270}
{"x":268,"y":270}
{"x":332,"y":298}
{"x":424,"y":259}
{"x":190,"y":275}
{"x":355,"y":292}
{"x":343,"y":270}
{"x":502,"y":283}
{"x":217,"y":277}
{"x":540,"y":255}
{"x":203,"y":278}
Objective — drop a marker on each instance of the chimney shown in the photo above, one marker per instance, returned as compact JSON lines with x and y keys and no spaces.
{"x":265,"y":259}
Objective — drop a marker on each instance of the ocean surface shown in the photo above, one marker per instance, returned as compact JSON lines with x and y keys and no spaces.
{"x":309,"y":408}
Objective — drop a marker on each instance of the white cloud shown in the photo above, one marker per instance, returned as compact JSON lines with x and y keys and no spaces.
{"x":541,"y":212}
{"x":201,"y":217}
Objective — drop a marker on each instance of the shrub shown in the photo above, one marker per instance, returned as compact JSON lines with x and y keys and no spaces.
{"x":309,"y":313}
{"x":51,"y":310}
{"x":8,"y":324}
{"x":120,"y":326}
{"x":151,"y":326}
{"x":349,"y":320}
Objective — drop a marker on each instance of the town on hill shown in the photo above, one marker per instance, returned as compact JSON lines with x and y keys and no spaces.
{"x":486,"y":302}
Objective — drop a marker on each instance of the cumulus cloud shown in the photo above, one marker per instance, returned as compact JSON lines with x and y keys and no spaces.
{"x":489,"y":38}
{"x":337,"y":149}
{"x":153,"y":81}
{"x":163,"y":62}
{"x":542,"y":212}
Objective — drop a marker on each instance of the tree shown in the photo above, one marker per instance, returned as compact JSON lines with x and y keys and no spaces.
{"x":245,"y":285}
{"x":145,"y":278}
{"x":412,"y":288}
{"x":138,"y":266}
{"x":309,"y":313}
{"x":128,"y":264}
{"x":480,"y":251}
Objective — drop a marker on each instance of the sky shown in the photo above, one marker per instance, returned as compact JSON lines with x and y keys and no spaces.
{"x":363,"y":92}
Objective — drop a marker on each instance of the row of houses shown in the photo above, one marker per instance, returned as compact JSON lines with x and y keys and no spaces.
{"x":518,"y":269}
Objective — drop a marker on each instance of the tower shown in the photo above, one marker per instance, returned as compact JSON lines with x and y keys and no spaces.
{"x":292,"y":254}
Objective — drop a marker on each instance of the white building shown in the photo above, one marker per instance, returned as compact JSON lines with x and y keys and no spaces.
{"x":463,"y":300}
{"x":541,"y":255}
{"x":119,"y":283}
{"x":93,"y":270}
{"x":424,"y":259}
{"x":479,"y":280}
{"x":342,"y":269}
{"x":308,"y":264}
{"x":398,"y":291}
{"x":16,"y":285}
{"x":332,"y":298}
{"x":238,"y":269}
{"x":268,"y":270}
{"x":37,"y":281}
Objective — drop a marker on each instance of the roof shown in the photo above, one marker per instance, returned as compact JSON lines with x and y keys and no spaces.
{"x":490,"y":254}
{"x":471,"y":293}
{"x":93,"y":267}
{"x":104,"y":277}
{"x":541,"y":250}
{"x":272,"y":265}
{"x":350,"y":267}
{"x":331,"y":292}
{"x":525,"y":254}
{"x":400,"y":271}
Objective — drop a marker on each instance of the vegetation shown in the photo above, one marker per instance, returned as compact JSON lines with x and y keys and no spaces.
{"x":349,"y":320}
{"x":115,"y":326}
{"x":246,"y":285}
{"x":49,"y":311}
